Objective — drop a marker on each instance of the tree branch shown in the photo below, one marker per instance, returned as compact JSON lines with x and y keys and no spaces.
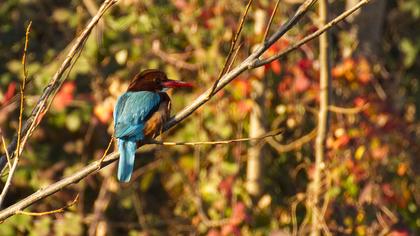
{"x":19,"y":134}
{"x":317,"y":219}
{"x":270,"y":134}
{"x":267,"y":29}
{"x":59,"y":210}
{"x":231,"y":51}
{"x":346,"y":110}
{"x":280,"y":148}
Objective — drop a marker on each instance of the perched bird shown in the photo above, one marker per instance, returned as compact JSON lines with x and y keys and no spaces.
{"x":140,"y":114}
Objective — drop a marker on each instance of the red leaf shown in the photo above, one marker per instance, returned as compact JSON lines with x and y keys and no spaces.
{"x":239,"y":214}
{"x":181,"y":4}
{"x":285,"y":85}
{"x":230,"y":230}
{"x":64,"y":97}
{"x":305,"y":64}
{"x":276,"y":67}
{"x":213,"y":232}
{"x":302,"y":82}
{"x":9,"y":93}
{"x":225,"y":186}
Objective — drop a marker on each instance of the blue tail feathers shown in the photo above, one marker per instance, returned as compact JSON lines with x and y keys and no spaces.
{"x":127,"y":155}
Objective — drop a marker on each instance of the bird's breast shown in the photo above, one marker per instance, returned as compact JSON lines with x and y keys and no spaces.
{"x":154,"y":124}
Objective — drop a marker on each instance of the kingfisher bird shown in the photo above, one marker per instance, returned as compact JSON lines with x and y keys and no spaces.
{"x":140,"y":113}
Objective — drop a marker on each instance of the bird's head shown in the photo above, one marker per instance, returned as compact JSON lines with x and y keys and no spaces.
{"x":155,"y":81}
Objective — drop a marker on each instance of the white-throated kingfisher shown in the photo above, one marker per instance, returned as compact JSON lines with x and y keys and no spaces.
{"x":140,"y":114}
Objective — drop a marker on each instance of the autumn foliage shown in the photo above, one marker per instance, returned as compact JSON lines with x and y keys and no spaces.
{"x":371,"y":179}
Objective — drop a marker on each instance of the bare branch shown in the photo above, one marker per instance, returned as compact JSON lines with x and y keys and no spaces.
{"x":270,"y":134}
{"x":19,"y":134}
{"x":107,"y":149}
{"x":314,"y":189}
{"x":296,"y":144}
{"x":231,"y":51}
{"x":3,"y":142}
{"x":271,"y":20}
{"x":75,"y":200}
{"x":348,"y":111}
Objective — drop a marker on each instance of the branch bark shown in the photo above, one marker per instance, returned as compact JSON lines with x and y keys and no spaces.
{"x":324,"y":94}
{"x":19,"y":134}
{"x":256,"y":151}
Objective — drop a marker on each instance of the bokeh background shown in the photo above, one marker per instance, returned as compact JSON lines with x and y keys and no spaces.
{"x":371,"y":182}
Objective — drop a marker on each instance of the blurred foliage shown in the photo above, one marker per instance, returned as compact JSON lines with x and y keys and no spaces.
{"x":371,"y":182}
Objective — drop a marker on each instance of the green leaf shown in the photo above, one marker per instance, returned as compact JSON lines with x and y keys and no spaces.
{"x":410,"y":50}
{"x":146,"y":180}
{"x":73,"y":122}
{"x":229,"y":168}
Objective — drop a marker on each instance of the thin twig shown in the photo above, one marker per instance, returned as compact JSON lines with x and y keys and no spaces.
{"x":49,"y":103}
{"x":19,"y":134}
{"x":235,"y":54}
{"x":298,"y":143}
{"x":22,"y":92}
{"x":106,"y":150}
{"x":270,"y":134}
{"x":347,"y":111}
{"x":231,"y":50}
{"x":271,"y":20}
{"x":6,"y":152}
{"x":75,"y":200}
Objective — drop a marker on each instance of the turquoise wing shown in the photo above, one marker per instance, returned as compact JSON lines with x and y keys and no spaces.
{"x":132,"y":111}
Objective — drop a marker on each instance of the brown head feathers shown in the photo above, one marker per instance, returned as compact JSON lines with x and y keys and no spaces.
{"x":154,"y":80}
{"x":148,"y":80}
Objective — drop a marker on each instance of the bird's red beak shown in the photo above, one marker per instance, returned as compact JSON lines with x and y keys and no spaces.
{"x":176,"y":84}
